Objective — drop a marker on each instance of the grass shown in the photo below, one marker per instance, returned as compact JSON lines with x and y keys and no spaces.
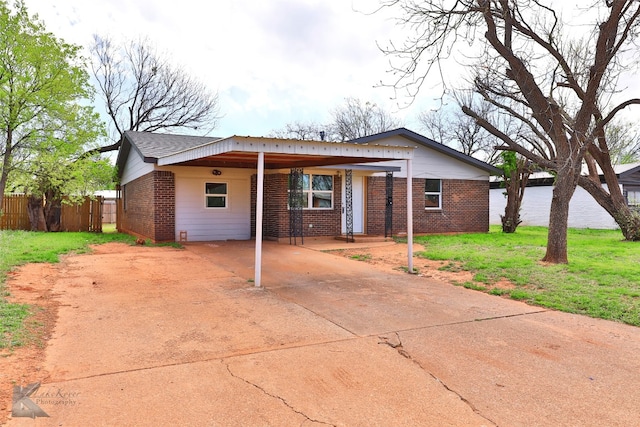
{"x":361,"y":257}
{"x":601,"y":280}
{"x":22,"y":247}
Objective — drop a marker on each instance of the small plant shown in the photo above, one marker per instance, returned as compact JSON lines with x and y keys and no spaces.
{"x":406,"y":269}
{"x":482,"y":278}
{"x":166,"y":244}
{"x":474,"y":286}
{"x":499,"y":292}
{"x":519,"y":294}
{"x":361,"y":257}
{"x":12,"y":331}
{"x":452,"y":267}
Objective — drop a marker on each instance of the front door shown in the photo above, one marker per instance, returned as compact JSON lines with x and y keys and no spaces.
{"x":357,"y":197}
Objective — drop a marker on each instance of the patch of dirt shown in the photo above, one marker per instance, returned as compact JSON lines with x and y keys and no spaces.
{"x":30,"y":284}
{"x":33,"y":284}
{"x":394,"y":258}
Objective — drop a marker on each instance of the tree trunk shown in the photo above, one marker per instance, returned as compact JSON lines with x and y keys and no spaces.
{"x":52,"y":211}
{"x":3,"y":185}
{"x":36,"y":213}
{"x":558,"y":220}
{"x":629,"y":222}
{"x":4,"y":175}
{"x":511,"y":217}
{"x":515,"y":185}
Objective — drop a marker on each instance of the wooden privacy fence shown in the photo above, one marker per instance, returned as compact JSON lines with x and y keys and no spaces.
{"x":14,"y":214}
{"x":85,"y":216}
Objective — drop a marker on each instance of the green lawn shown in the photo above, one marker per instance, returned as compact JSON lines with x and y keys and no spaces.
{"x":22,"y":247}
{"x":602,"y":278}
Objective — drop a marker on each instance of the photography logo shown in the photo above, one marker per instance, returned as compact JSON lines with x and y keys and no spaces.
{"x":23,"y":406}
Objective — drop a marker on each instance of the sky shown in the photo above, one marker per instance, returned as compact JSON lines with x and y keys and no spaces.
{"x":272,"y":62}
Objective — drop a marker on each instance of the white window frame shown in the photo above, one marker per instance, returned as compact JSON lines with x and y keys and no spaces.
{"x":224,"y":196}
{"x":433,"y":193}
{"x":308,"y":193}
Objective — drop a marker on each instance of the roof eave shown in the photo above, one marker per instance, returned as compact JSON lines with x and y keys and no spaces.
{"x":429,"y":143}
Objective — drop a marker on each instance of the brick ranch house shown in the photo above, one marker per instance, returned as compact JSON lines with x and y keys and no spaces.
{"x":177,"y":187}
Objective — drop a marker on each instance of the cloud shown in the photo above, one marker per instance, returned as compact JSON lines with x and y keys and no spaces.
{"x":272,"y":62}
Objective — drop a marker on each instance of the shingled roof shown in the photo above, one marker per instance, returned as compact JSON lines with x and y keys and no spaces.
{"x":152,"y":146}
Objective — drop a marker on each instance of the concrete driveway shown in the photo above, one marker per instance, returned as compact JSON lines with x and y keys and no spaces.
{"x":181,"y":337}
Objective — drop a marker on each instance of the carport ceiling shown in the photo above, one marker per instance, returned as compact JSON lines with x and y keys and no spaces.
{"x":242,"y":152}
{"x":237,"y":159}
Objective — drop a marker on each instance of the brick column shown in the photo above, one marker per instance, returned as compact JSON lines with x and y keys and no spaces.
{"x":164,"y":196}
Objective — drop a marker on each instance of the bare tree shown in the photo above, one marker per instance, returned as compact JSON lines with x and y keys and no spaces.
{"x":555,"y":81}
{"x":303,"y":131}
{"x":457,"y":130}
{"x":463,"y":132}
{"x":142,"y":91}
{"x":356,"y":119}
{"x":623,"y":138}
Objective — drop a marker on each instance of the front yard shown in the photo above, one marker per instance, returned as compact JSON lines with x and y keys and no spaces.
{"x":601,"y":280}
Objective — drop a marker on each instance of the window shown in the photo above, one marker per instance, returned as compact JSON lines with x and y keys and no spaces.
{"x":215,"y":195}
{"x":433,"y":194}
{"x":317,"y":191}
{"x":633,"y":197}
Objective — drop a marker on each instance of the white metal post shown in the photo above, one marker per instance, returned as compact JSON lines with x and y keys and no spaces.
{"x":259,"y":209}
{"x":410,"y":215}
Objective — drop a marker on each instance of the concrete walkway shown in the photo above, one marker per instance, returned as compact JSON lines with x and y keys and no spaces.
{"x":181,"y":337}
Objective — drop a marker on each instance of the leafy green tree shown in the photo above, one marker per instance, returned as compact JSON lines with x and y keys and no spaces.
{"x":45,"y":119}
{"x":59,"y":169}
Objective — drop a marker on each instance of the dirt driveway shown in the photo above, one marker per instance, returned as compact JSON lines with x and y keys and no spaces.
{"x":161,"y":336}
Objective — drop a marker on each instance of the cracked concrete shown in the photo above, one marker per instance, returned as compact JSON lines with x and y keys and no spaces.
{"x":330,"y":341}
{"x":284,"y":401}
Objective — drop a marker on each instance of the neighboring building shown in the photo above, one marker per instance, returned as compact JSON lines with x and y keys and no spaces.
{"x":175,"y":187}
{"x":584,"y":211}
{"x":108,"y":205}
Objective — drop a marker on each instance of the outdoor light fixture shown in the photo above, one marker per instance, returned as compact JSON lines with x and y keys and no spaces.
{"x":216,"y":172}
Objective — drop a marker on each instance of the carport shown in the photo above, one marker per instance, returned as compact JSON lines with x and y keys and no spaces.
{"x":265,"y":153}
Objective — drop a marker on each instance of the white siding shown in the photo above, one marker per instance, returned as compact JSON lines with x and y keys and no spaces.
{"x":428,"y":163}
{"x":202,"y":224}
{"x":135,"y":167}
{"x":584,"y":211}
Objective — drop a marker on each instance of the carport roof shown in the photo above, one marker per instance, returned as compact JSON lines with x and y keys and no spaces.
{"x":242,"y":152}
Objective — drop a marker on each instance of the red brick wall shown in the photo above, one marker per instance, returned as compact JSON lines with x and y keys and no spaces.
{"x":141,"y":216}
{"x":465,"y":207}
{"x":326,"y":222}
{"x":165,"y":207}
